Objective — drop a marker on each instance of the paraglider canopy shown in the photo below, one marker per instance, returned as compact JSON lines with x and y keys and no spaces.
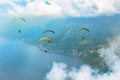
{"x":49,"y":31}
{"x":18,"y":19}
{"x":86,"y":29}
{"x":47,"y":39}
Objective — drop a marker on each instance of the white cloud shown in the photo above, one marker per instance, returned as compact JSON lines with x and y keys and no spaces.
{"x":75,"y":8}
{"x":111,"y":56}
{"x":58,"y":72}
{"x":34,"y":8}
{"x":88,"y":8}
{"x":40,"y":8}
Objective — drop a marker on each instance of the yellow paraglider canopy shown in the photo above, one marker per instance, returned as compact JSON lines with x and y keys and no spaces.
{"x":47,"y":39}
{"x":18,"y":19}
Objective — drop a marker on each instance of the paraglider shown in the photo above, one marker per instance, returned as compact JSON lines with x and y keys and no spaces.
{"x":49,"y":31}
{"x":45,"y":51}
{"x":86,"y":29}
{"x":83,"y":38}
{"x":18,"y":19}
{"x":47,"y":39}
{"x":19,"y":31}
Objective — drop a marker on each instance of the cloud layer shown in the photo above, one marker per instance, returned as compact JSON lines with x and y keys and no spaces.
{"x":111,"y":56}
{"x":74,"y":8}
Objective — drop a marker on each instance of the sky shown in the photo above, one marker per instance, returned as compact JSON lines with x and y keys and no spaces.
{"x":60,"y":8}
